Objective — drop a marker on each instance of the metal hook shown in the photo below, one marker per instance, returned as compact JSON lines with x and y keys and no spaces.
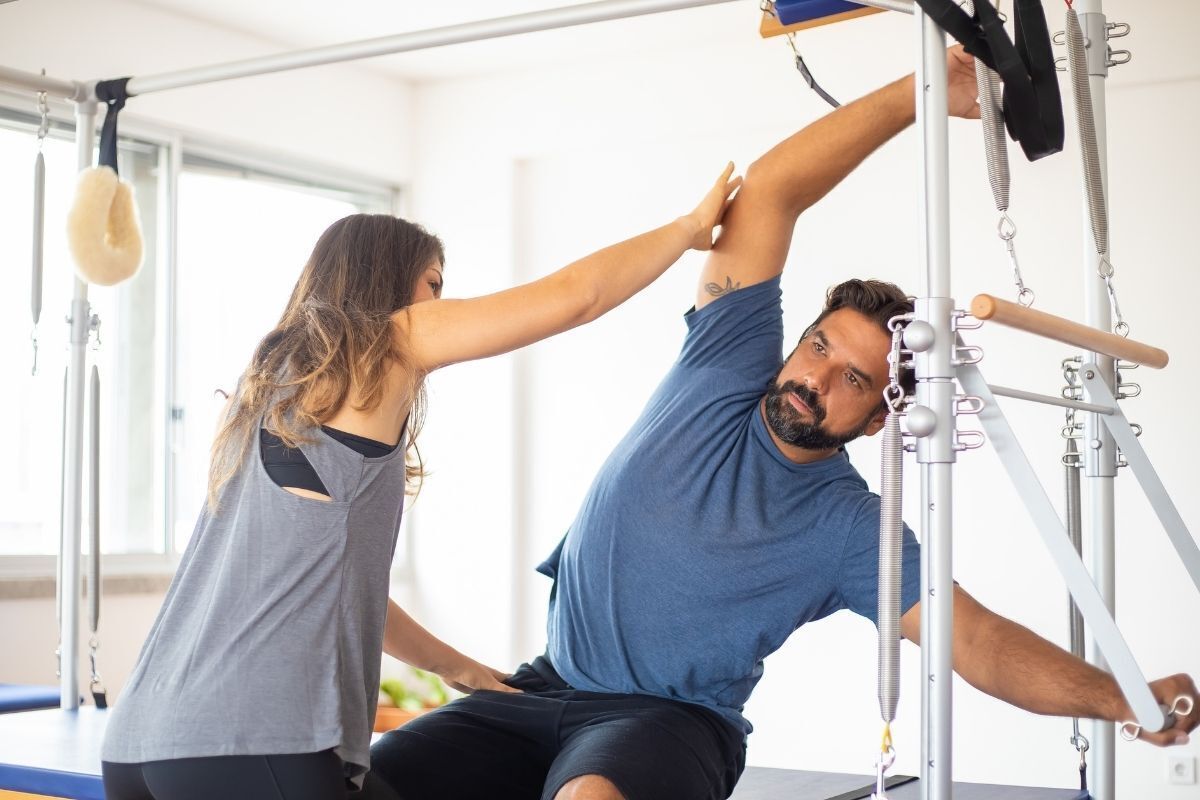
{"x":969,"y":440}
{"x":1184,"y":704}
{"x":1117,"y":58}
{"x":1005,"y":227}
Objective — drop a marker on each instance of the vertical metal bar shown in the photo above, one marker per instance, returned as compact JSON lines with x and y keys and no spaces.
{"x":39,"y":235}
{"x":170,"y":164}
{"x":1100,"y":455}
{"x":93,"y":578}
{"x":80,"y":322}
{"x":935,"y":390}
{"x":523,"y":375}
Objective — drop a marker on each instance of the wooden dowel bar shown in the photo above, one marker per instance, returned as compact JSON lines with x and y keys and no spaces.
{"x":1013,"y":315}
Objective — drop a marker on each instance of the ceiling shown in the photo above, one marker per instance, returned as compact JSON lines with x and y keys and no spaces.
{"x":301,"y":24}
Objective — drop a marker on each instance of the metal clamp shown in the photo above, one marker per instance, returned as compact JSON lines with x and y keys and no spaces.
{"x":967,"y":354}
{"x":1128,"y":390}
{"x":882,"y":765}
{"x":1184,"y":704}
{"x":961,"y":320}
{"x":965,"y":404}
{"x":968,"y":440}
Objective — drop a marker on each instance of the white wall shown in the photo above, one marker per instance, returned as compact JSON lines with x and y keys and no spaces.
{"x":342,"y":115}
{"x":554,"y":163}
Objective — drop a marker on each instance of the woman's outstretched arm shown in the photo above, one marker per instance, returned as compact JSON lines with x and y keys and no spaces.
{"x":406,"y":640}
{"x":442,"y":332}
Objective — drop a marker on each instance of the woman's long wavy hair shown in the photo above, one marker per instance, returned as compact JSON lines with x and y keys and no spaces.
{"x":335,"y":341}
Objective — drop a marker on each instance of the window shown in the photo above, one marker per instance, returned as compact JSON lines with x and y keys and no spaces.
{"x":32,"y":406}
{"x":243,"y":239}
{"x":168,"y":338}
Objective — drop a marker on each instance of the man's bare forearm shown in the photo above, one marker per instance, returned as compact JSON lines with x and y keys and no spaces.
{"x":1012,"y":663}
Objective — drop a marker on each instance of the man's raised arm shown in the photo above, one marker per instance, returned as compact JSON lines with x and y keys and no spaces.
{"x":800,"y":170}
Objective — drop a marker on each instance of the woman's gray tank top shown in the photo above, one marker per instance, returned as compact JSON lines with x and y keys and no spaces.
{"x":270,"y":636}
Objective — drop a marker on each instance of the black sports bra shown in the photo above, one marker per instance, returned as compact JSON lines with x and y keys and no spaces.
{"x":288,"y":467}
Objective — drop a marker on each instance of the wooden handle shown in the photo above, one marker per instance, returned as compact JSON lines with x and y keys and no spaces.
{"x":1003,"y":312}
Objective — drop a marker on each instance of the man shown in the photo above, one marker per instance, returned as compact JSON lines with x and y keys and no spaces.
{"x":727,"y":518}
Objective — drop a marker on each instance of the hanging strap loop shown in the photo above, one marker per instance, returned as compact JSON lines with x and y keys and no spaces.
{"x":113,"y":94}
{"x":1032,"y":103}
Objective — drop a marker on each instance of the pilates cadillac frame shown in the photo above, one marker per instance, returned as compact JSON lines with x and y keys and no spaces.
{"x":938,"y":367}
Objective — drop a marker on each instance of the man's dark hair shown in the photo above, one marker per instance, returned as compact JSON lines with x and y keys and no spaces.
{"x":878,"y":301}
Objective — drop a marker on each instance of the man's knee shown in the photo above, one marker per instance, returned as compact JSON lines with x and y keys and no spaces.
{"x":589,"y":787}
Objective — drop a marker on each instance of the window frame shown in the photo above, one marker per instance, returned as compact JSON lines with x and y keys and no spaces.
{"x":177,"y":151}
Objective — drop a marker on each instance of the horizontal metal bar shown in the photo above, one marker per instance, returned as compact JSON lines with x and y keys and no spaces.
{"x":1048,"y":399}
{"x":40,"y":83}
{"x":548,"y":19}
{"x":1004,"y":312}
{"x":903,"y":6}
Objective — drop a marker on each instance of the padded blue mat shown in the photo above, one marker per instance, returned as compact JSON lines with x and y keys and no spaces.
{"x":57,"y":752}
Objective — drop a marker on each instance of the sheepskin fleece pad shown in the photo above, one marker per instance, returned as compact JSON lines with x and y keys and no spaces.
{"x":103,"y":232}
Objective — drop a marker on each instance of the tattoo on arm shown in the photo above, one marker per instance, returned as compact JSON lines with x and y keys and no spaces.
{"x":717,"y":290}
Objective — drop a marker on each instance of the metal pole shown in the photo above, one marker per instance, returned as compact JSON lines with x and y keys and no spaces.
{"x":414,"y":40}
{"x":40,"y":83}
{"x":1034,"y":397}
{"x":1100,"y":454}
{"x":903,"y":6}
{"x":935,"y":390}
{"x":80,"y":321}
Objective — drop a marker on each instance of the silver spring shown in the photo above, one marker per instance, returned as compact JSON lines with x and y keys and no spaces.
{"x":991,"y":114}
{"x":891,"y":532}
{"x":1092,"y":176}
{"x":994,"y":143}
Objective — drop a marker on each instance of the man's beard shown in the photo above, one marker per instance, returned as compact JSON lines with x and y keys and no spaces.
{"x":786,"y":423}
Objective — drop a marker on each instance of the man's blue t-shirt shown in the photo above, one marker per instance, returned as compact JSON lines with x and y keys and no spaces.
{"x":699,"y":548}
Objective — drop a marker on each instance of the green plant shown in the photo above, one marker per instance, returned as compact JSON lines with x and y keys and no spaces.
{"x":416,"y":690}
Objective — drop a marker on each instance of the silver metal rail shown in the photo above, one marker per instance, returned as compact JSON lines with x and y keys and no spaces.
{"x":1100,"y":456}
{"x":549,"y":19}
{"x":1050,"y":400}
{"x":935,"y":391}
{"x":40,"y":83}
{"x":80,"y":320}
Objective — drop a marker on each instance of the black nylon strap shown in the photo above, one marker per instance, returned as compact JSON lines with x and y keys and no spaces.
{"x":1032,"y":104}
{"x":113,"y":95}
{"x":1033,"y":43}
{"x":866,"y":792}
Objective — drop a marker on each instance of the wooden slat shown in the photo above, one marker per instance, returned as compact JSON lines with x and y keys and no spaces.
{"x":1005,"y":312}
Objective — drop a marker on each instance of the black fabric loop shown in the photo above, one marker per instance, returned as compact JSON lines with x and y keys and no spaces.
{"x":113,"y":94}
{"x":1032,"y":102}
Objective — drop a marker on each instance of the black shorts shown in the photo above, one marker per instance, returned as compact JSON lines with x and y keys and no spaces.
{"x":496,"y":745}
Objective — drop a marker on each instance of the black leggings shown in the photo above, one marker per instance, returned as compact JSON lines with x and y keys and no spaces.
{"x":306,"y":776}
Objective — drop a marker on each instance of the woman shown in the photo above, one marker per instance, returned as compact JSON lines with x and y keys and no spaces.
{"x":259,"y":677}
